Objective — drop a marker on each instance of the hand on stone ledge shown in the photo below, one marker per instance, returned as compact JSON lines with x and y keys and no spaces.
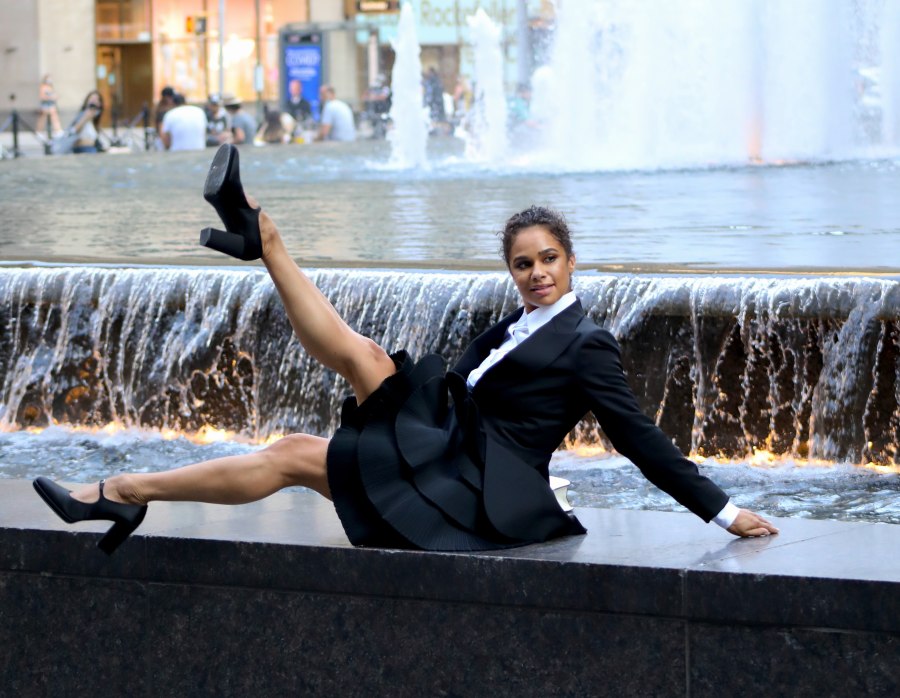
{"x":748,"y":524}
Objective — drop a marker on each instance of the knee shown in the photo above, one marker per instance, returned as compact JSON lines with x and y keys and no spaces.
{"x":369,"y":359}
{"x":297,"y":458}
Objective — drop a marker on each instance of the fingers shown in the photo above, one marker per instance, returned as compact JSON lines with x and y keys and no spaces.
{"x":757,"y":532}
{"x":749,"y":524}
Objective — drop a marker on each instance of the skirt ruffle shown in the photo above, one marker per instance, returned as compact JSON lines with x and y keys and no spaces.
{"x":406,"y":469}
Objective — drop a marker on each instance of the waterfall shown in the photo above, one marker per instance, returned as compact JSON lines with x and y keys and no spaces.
{"x":802,"y":366}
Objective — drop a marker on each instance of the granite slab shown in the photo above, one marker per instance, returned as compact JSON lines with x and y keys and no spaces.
{"x":813,"y":573}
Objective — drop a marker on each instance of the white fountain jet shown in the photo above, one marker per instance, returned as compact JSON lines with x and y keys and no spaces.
{"x":409,"y":135}
{"x":487,"y":126}
{"x":657,"y":84}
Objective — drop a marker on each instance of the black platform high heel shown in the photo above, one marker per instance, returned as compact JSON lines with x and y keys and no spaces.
{"x":125,"y":517}
{"x":224,"y":191}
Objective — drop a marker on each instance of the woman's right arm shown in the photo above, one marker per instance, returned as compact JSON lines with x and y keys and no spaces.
{"x":83,"y":118}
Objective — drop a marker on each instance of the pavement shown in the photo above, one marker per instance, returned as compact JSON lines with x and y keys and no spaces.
{"x":32,"y":145}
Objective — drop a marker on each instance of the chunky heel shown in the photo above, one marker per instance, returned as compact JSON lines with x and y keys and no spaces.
{"x":117,"y":534}
{"x":220,"y":241}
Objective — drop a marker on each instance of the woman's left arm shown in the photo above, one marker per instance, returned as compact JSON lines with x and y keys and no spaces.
{"x":637,"y":437}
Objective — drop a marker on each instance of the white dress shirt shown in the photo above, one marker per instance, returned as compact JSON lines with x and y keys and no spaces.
{"x":519,"y":331}
{"x":527,"y":325}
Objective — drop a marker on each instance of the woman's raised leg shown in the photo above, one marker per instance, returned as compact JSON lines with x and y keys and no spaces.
{"x":321,"y":331}
{"x":298,"y":459}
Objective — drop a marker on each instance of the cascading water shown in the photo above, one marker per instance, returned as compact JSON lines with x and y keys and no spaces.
{"x":808,"y":367}
{"x":486,"y":132}
{"x":409,"y":134}
{"x":705,"y":82}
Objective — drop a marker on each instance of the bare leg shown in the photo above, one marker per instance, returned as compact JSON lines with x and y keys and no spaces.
{"x":294,"y":460}
{"x":321,"y":331}
{"x":298,"y":459}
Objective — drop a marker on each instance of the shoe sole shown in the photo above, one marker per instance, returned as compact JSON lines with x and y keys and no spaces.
{"x":218,"y":171}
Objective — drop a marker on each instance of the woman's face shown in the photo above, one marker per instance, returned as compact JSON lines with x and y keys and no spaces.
{"x":540,"y":267}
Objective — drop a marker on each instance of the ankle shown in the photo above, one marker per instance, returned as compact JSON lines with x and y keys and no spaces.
{"x":272,"y":246}
{"x":269,"y":237}
{"x":123,"y":489}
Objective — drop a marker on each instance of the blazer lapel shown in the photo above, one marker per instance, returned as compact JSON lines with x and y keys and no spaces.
{"x":481,"y":346}
{"x":548,"y":342}
{"x":532,"y":355}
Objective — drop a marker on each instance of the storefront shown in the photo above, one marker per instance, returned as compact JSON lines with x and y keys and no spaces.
{"x":144,"y":45}
{"x":138,"y":47}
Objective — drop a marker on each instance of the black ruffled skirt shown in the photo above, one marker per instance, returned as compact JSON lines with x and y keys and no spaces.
{"x":406,"y":469}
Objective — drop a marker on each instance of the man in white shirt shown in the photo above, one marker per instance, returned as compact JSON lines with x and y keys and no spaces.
{"x":184,"y":127}
{"x":337,"y":118}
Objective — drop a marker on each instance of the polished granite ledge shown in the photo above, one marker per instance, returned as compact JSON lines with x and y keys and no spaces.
{"x":270,"y":599}
{"x":825,"y":574}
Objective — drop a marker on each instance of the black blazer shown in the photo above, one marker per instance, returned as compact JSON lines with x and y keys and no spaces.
{"x":528,"y":402}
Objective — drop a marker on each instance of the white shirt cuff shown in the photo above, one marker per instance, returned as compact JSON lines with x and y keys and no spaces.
{"x":727,"y":516}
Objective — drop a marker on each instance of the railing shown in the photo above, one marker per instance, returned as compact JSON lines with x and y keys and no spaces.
{"x":135,"y":133}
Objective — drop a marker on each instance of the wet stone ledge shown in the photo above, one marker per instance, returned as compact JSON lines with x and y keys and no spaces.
{"x":270,"y":599}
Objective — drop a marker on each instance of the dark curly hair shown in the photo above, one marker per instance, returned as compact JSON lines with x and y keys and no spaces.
{"x":553,"y":221}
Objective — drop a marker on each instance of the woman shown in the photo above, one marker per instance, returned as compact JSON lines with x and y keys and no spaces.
{"x":277,"y":128}
{"x":87,"y":123}
{"x":48,"y":111}
{"x":404,"y":469}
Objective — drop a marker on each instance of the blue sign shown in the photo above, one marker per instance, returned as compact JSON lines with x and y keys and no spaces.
{"x":302,"y":70}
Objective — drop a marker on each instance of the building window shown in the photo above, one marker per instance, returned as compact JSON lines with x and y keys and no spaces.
{"x":123,"y":20}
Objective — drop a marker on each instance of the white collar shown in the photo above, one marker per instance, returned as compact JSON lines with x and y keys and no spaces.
{"x":543,"y":314}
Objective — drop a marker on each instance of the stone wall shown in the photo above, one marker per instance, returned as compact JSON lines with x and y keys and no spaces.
{"x":269,"y":598}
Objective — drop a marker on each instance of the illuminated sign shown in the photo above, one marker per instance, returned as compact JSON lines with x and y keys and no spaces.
{"x":377,"y":5}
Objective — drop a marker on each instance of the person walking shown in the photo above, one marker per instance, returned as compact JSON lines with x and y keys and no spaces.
{"x":426,"y":458}
{"x":48,"y":112}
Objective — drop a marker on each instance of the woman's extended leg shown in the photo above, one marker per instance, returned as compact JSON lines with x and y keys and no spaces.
{"x":321,"y":331}
{"x":295,"y":460}
{"x":298,"y":459}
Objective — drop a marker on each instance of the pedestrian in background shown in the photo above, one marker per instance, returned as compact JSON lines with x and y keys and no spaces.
{"x":243,"y":126}
{"x":48,"y":112}
{"x":337,"y":118}
{"x":166,"y":102}
{"x":87,"y":124}
{"x":218,"y":122}
{"x":183,"y":127}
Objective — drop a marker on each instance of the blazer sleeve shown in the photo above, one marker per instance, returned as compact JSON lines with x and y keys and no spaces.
{"x":635,"y":435}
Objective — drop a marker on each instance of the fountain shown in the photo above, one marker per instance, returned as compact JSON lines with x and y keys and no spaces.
{"x":410,"y":130}
{"x":757,"y":307}
{"x":729,"y":366}
{"x":660,"y":84}
{"x":487,"y":138}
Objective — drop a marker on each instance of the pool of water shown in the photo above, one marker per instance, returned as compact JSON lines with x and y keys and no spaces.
{"x":341,"y":205}
{"x":788,"y":488}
